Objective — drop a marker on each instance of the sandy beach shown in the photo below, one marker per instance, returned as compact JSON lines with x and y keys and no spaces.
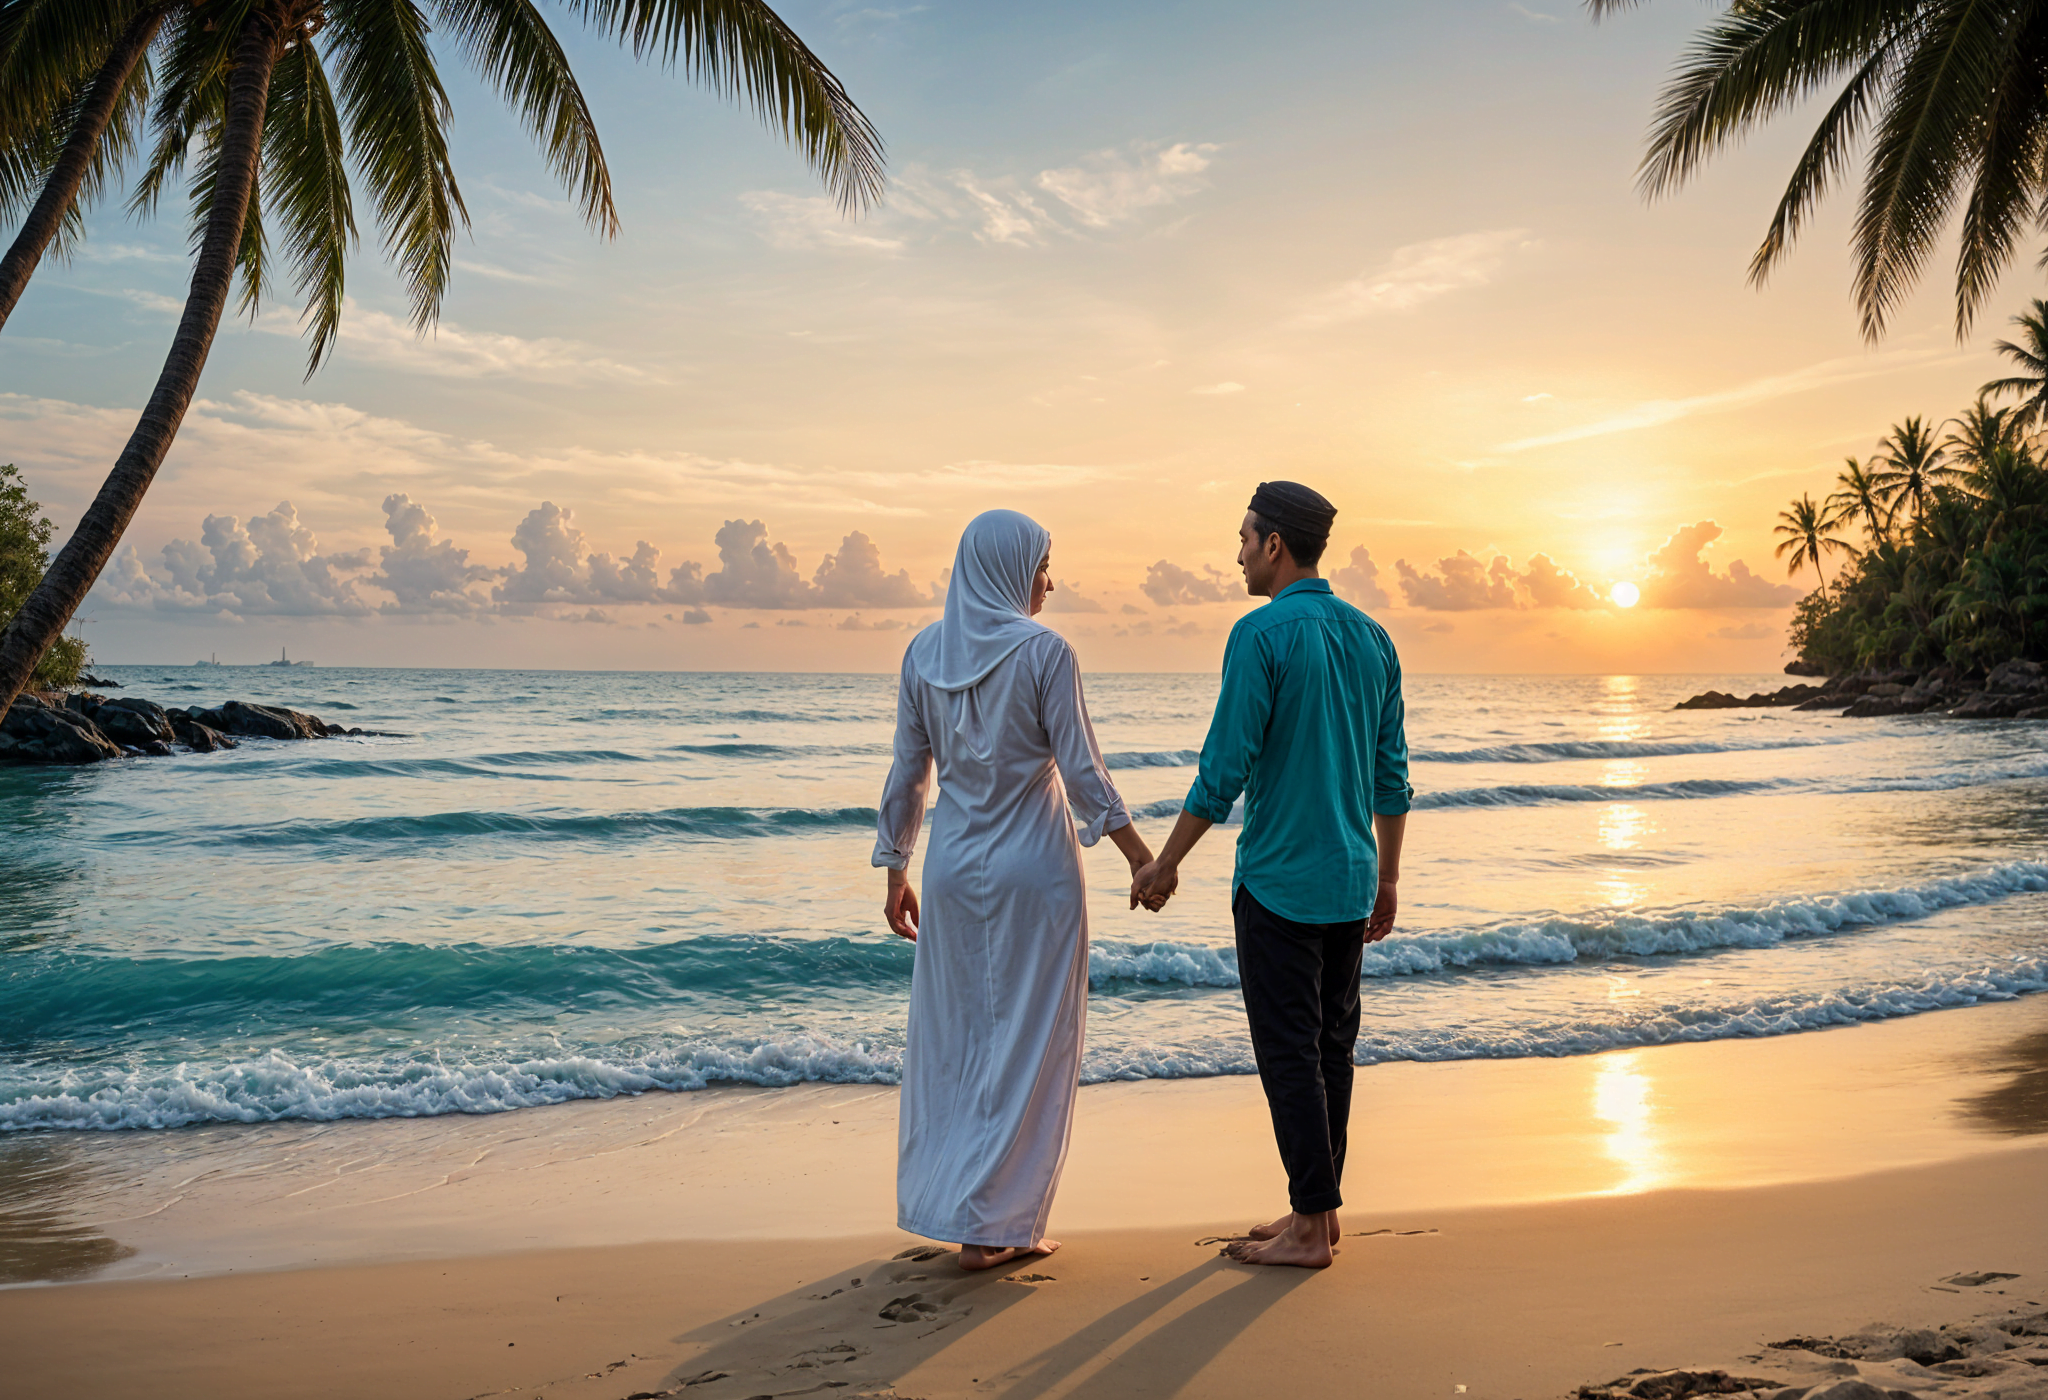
{"x":1518,"y":1229}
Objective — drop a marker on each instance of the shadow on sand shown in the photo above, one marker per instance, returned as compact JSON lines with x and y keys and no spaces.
{"x":864,"y":1331}
{"x":2018,"y":1107}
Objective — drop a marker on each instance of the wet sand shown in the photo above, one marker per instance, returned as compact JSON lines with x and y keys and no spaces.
{"x":1520,"y":1228}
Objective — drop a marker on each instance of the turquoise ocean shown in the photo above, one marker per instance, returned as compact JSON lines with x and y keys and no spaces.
{"x":544,"y":885}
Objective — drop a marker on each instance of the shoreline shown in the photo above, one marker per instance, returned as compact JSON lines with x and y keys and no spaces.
{"x":1518,"y":1229}
{"x":817,"y":1161}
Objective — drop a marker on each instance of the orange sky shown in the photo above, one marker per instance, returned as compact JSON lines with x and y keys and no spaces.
{"x":1130,"y":264}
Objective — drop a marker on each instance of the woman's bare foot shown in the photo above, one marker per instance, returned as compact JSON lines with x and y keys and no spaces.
{"x":1280,"y":1227}
{"x":974,"y":1257}
{"x":1304,"y":1244}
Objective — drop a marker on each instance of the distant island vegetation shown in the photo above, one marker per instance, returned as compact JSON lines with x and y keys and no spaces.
{"x":1941,"y":534}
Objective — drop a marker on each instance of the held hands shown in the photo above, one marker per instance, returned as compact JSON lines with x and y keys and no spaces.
{"x":900,"y":908}
{"x":1153,"y":883}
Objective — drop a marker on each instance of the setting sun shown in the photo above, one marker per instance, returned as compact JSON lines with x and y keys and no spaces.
{"x":1624,"y":594}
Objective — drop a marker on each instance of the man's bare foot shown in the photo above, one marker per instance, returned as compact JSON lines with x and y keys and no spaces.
{"x":974,"y":1257}
{"x":1280,"y":1227}
{"x":1304,"y":1244}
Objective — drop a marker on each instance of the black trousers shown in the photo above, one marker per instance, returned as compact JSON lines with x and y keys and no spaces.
{"x":1301,"y":995}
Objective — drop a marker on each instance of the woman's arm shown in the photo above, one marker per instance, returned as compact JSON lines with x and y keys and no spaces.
{"x":901,"y":818}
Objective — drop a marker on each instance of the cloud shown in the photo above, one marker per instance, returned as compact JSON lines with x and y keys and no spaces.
{"x":1679,"y":578}
{"x":1746,"y":632}
{"x":854,"y":578}
{"x":453,"y":352}
{"x":1439,"y":626}
{"x":1418,"y":273}
{"x":272,"y":567}
{"x":1132,"y":610}
{"x":1359,"y":581}
{"x":423,"y":574}
{"x":854,"y":623}
{"x":1114,"y":187}
{"x":559,"y":569}
{"x":1460,"y":583}
{"x":692,"y":617}
{"x":1170,"y":585}
{"x":1065,"y":598}
{"x":1652,"y":413}
{"x":813,"y":221}
{"x":1228,"y":386}
{"x":1549,"y":586}
{"x":752,"y":573}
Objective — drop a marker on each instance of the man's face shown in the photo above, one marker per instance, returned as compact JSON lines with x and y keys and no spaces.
{"x":1260,"y":559}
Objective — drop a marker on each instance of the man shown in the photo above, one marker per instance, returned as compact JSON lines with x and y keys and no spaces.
{"x":1309,"y":728}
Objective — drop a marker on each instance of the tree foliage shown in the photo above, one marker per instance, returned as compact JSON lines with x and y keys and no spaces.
{"x":1955,"y":575}
{"x":24,"y":554}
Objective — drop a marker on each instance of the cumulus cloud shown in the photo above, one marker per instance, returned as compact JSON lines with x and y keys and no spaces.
{"x":854,"y":578}
{"x":1359,"y":581}
{"x":559,"y":568}
{"x":1169,"y":585}
{"x":1460,"y":583}
{"x":1418,"y":273}
{"x":752,"y":573}
{"x":1065,"y":598}
{"x":272,"y":567}
{"x":1114,"y":187}
{"x":421,"y":573}
{"x":1679,"y":578}
{"x":1549,"y":586}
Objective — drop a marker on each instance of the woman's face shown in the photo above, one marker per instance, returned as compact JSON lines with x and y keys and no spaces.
{"x":1041,"y":583}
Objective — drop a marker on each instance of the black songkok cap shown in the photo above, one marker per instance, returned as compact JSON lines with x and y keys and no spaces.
{"x":1292,"y":506}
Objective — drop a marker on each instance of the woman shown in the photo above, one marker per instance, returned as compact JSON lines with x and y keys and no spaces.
{"x":1000,"y":991}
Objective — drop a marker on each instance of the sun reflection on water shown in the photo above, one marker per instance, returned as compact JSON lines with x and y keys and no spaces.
{"x":1622,"y":827}
{"x":1622,"y":1099}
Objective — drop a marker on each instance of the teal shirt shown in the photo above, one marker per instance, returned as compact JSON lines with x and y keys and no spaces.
{"x":1309,"y":728}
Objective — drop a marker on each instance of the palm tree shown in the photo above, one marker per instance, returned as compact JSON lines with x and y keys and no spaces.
{"x":1943,"y":99}
{"x":1806,"y":528}
{"x":1979,"y":432}
{"x":1912,"y":465}
{"x":245,"y":84}
{"x":75,"y":77}
{"x":1861,"y":499}
{"x":2031,"y":356}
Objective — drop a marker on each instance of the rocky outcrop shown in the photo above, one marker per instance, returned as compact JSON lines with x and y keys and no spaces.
{"x":1721,"y":700}
{"x":87,"y":728}
{"x":2012,"y":690}
{"x":33,"y":732}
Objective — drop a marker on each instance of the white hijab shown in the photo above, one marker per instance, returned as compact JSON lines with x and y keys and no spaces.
{"x":988,"y":601}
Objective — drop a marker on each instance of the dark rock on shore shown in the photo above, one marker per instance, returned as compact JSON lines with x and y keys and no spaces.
{"x":33,"y":732}
{"x":2012,"y":690}
{"x":87,"y":728}
{"x":1721,"y":700}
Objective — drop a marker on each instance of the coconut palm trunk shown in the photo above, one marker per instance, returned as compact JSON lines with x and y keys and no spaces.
{"x":74,"y":162}
{"x":49,"y":608}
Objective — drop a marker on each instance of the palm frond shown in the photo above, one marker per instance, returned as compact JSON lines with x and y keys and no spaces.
{"x":397,"y":119}
{"x":741,"y":49}
{"x":306,"y":179}
{"x":2008,"y":157}
{"x":1752,"y":62}
{"x":1923,"y":146}
{"x":512,"y":48}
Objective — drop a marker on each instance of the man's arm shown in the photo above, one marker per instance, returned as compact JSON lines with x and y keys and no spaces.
{"x":1237,"y":731}
{"x":1388,"y":829}
{"x":1154,"y":881}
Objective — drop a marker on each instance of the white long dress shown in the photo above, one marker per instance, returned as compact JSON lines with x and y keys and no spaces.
{"x":999,"y":995}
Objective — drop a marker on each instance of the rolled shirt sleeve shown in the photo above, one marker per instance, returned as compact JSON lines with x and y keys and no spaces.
{"x":1063,"y":711}
{"x":1237,"y":731}
{"x":903,"y":796}
{"x":1392,"y":793}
